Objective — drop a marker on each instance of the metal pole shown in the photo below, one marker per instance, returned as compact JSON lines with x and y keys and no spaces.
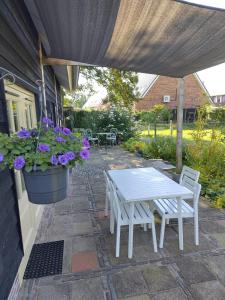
{"x":180,"y":106}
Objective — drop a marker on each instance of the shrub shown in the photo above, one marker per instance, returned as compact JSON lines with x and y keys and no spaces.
{"x":133,"y":144}
{"x":161,"y":147}
{"x":102,"y":121}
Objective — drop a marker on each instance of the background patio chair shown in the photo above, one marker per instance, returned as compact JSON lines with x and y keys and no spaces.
{"x":120,"y":213}
{"x":111,"y":138}
{"x":167,"y":208}
{"x":90,"y":137}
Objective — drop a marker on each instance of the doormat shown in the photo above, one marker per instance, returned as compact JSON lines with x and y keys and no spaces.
{"x":45,"y":260}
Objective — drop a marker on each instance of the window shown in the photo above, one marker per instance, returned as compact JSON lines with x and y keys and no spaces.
{"x":21,"y":113}
{"x":15,"y":115}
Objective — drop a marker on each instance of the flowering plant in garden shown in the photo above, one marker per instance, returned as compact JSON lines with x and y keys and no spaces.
{"x":42,"y":148}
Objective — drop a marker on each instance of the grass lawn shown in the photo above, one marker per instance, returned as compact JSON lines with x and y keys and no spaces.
{"x":187,"y":133}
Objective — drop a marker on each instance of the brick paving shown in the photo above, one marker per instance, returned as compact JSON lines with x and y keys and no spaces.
{"x":90,"y":269}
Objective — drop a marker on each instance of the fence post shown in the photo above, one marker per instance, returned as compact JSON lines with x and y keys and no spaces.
{"x":149,"y":133}
{"x":171,"y":128}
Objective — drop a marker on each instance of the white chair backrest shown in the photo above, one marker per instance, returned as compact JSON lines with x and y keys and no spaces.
{"x":115,"y":201}
{"x":189,"y":173}
{"x":88,"y":133}
{"x":195,"y":187}
{"x":114,"y":130}
{"x":111,"y":135}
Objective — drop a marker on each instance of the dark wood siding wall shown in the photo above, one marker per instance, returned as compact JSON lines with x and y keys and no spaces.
{"x":11,"y":250}
{"x":18,"y":54}
{"x":19,"y":42}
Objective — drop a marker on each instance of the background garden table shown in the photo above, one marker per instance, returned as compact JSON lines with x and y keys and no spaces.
{"x":146,"y":184}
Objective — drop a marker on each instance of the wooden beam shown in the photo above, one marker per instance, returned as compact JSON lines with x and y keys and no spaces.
{"x":180,"y":106}
{"x":63,"y":62}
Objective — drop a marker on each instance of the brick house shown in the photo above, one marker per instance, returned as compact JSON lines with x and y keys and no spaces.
{"x":163,"y":90}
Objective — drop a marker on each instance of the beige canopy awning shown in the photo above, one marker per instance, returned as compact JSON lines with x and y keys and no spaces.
{"x":162,"y":37}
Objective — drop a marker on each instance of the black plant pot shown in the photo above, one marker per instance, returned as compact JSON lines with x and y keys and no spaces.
{"x":46,"y":187}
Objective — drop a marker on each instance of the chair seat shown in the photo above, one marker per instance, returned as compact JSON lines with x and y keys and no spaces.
{"x":93,"y":139}
{"x":111,"y":138}
{"x":168,"y":207}
{"x":142,"y":213}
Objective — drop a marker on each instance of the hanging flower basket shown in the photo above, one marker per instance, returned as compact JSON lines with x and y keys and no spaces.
{"x":44,"y":155}
{"x":46,"y":187}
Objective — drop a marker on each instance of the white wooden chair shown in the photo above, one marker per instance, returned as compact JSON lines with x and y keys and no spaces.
{"x":120,"y":213}
{"x":107,"y":192}
{"x":189,"y":173}
{"x":167,"y":208}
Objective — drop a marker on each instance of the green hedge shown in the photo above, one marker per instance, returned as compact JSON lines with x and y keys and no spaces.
{"x":102,"y":121}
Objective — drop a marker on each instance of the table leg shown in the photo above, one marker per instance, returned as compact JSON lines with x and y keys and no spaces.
{"x":131,"y":231}
{"x":180,"y":224}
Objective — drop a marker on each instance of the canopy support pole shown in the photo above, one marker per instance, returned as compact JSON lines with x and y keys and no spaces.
{"x":180,"y":106}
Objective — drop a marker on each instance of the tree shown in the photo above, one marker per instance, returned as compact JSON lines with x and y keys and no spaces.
{"x":121,"y":86}
{"x":79,"y":97}
{"x":158,"y":112}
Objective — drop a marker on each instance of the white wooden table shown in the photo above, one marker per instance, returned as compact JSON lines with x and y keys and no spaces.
{"x":146,"y":184}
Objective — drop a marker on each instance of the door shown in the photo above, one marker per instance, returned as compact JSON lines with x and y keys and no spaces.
{"x":21,"y":113}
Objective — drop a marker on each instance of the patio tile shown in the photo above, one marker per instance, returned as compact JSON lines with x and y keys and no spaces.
{"x":211,"y":226}
{"x":193,"y":271}
{"x":216,"y":265}
{"x":219,"y":238}
{"x":83,"y":261}
{"x":172,"y":294}
{"x":210,"y":290}
{"x":70,"y":225}
{"x":140,"y":297}
{"x":158,"y":278}
{"x":54,"y":292}
{"x":142,"y":253}
{"x":88,"y":289}
{"x":129,"y":283}
{"x":101,"y":215}
{"x":172,"y":244}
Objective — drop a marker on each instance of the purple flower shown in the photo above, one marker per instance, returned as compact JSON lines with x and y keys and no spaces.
{"x":19,"y":162}
{"x":54,"y":160}
{"x":59,"y":139}
{"x":86,"y":143}
{"x":72,"y":138}
{"x":84,"y":154}
{"x":70,"y":155}
{"x":58,"y":129}
{"x":23,"y":134}
{"x":66,"y":131}
{"x":47,"y":121}
{"x":1,"y":157}
{"x":63,"y":160}
{"x":43,"y":148}
{"x":34,"y":132}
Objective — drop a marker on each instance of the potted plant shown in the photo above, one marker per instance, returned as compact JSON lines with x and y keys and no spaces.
{"x":44,"y":156}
